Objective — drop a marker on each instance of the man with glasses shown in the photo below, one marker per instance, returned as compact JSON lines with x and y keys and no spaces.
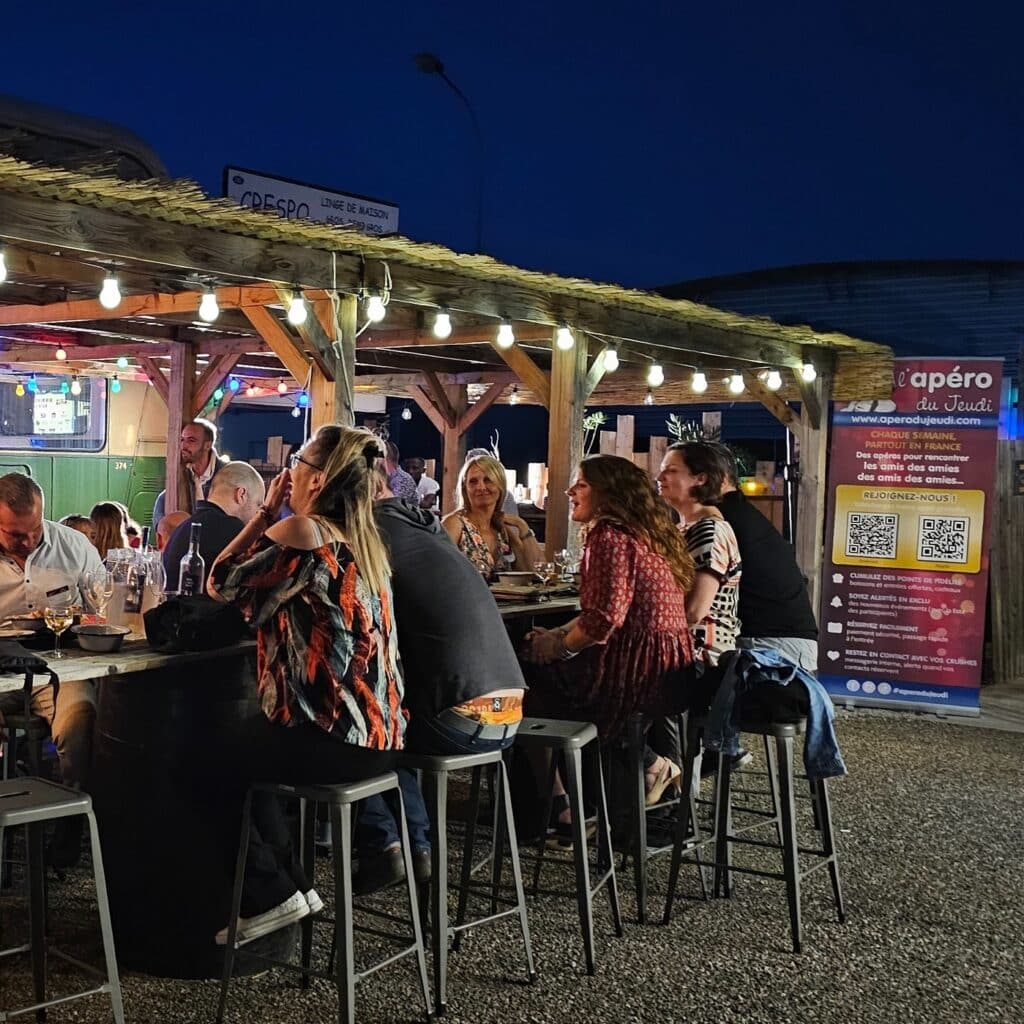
{"x":41,"y":563}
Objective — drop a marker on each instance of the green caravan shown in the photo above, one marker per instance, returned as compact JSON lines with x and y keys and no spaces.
{"x":84,"y":440}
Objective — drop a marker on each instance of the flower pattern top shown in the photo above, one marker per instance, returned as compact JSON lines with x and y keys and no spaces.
{"x":476,"y":549}
{"x":326,"y":646}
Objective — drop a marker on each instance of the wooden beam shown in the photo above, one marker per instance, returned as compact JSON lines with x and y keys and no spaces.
{"x":440,"y":399}
{"x":345,"y":358}
{"x":156,"y":375}
{"x":528,"y":371}
{"x":44,"y":353}
{"x":809,"y":398}
{"x":595,"y":373}
{"x":811,"y":490}
{"x":209,"y":380}
{"x":316,"y":342}
{"x":454,"y":445}
{"x":179,"y":412}
{"x":420,"y":337}
{"x":481,"y":405}
{"x":773,"y":403}
{"x":419,"y":395}
{"x":281,"y":343}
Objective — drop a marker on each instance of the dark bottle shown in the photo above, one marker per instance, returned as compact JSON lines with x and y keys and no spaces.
{"x":136,"y":581}
{"x":192,"y":574}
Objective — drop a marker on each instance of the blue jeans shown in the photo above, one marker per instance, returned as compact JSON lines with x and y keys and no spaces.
{"x":377,"y":825}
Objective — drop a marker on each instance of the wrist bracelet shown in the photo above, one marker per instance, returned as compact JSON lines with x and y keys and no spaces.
{"x":528,"y":535}
{"x":563,"y":651}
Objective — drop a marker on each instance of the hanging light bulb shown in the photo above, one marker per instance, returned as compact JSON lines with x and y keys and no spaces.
{"x":252,"y":391}
{"x":513,"y":399}
{"x":699,"y":382}
{"x":563,"y":338}
{"x":442,"y":324}
{"x":208,"y":308}
{"x":76,"y":386}
{"x":375,"y":308}
{"x":406,"y":414}
{"x":61,"y":353}
{"x":33,"y":386}
{"x":656,"y":375}
{"x":649,"y":397}
{"x":773,"y":380}
{"x":234,"y":383}
{"x":218,"y":394}
{"x":296,"y":309}
{"x":282,"y":387}
{"x":611,"y":360}
{"x":506,"y":336}
{"x":808,"y":372}
{"x":110,"y":293}
{"x":3,"y":267}
{"x":296,"y":412}
{"x":122,"y":362}
{"x":736,"y":384}
{"x":64,"y":389}
{"x":115,"y":385}
{"x":19,"y":389}
{"x":303,"y":399}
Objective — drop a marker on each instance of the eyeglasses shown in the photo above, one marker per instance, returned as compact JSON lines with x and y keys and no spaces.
{"x":296,"y":458}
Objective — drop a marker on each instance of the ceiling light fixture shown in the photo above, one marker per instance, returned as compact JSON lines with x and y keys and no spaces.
{"x":208,"y":308}
{"x":406,"y":413}
{"x":506,"y":336}
{"x":563,"y":338}
{"x":656,"y":375}
{"x":611,"y":359}
{"x":808,"y":372}
{"x":736,"y":385}
{"x":699,"y":381}
{"x":110,"y":293}
{"x":773,"y":380}
{"x":297,"y":309}
{"x":442,"y":324}
{"x":376,"y":308}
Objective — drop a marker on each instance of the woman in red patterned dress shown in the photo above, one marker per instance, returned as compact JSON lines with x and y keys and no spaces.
{"x":625,"y":651}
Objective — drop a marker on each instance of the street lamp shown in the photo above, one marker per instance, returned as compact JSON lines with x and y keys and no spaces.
{"x":430,"y":64}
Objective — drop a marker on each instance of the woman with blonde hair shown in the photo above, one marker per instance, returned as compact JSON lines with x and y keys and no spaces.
{"x":109,"y":527}
{"x":491,"y":539}
{"x":316,"y":586}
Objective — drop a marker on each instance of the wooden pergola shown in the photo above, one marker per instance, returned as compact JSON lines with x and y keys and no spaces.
{"x":63,"y":232}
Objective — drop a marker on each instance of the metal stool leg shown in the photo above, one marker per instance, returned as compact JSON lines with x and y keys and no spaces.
{"x":37,"y":912}
{"x":605,"y":856}
{"x":790,"y":864}
{"x":639,"y":801}
{"x":773,"y":784}
{"x":723,"y":827}
{"x":580,"y":856}
{"x":824,"y":808}
{"x":687,"y":818}
{"x":542,"y":842}
{"x":106,"y":929}
{"x":436,"y":796}
{"x":307,"y":854}
{"x":236,"y":903}
{"x":505,"y":790}
{"x":466,"y":874}
{"x":414,"y":917}
{"x":341,"y":833}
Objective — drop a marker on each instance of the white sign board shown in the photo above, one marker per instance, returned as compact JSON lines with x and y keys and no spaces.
{"x":296,"y":201}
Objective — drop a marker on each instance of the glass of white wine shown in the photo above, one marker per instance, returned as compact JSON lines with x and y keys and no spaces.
{"x":98,"y":588}
{"x":58,"y":617}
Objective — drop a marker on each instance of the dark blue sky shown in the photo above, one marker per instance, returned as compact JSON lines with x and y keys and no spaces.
{"x":637,"y":142}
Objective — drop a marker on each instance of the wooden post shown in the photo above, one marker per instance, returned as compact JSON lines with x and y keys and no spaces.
{"x":179,"y":412}
{"x":343,"y":400}
{"x":810,"y":523}
{"x":454,"y":446}
{"x":565,"y":439}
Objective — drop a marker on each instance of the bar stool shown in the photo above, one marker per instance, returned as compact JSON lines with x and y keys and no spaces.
{"x":434,"y":772}
{"x":339,"y":799}
{"x":570,"y":740}
{"x":33,"y":802}
{"x":781,"y":736}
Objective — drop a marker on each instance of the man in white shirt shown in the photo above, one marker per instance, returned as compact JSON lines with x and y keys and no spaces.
{"x":41,"y":561}
{"x":200,"y":460}
{"x":427,"y":488}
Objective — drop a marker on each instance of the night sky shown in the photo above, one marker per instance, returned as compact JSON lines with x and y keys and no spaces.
{"x":642,"y":143}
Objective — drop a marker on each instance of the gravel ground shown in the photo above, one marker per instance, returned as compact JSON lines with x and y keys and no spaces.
{"x":930,"y":825}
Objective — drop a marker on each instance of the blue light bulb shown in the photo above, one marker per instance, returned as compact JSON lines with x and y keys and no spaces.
{"x":218,"y":394}
{"x":64,"y":387}
{"x":32,"y":385}
{"x":122,"y":362}
{"x":234,"y":383}
{"x":303,"y":399}
{"x":115,"y":385}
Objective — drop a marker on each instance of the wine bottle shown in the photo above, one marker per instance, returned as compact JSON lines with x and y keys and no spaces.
{"x":136,"y":582}
{"x":192,"y":574}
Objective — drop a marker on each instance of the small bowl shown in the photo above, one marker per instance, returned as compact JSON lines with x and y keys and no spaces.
{"x":100,"y":639}
{"x":516,"y":579}
{"x":29,"y":623}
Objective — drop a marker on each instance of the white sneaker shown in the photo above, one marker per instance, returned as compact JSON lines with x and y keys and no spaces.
{"x":314,"y":902}
{"x":293,"y":909}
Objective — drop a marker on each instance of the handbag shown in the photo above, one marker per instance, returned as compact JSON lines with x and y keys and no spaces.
{"x":15,"y":660}
{"x":194,"y":623}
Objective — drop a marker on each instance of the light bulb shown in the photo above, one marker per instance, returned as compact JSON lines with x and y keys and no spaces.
{"x":442,"y":324}
{"x":656,"y":375}
{"x":375,"y":308}
{"x":218,"y":394}
{"x":296,"y":310}
{"x":252,"y":391}
{"x":115,"y":385}
{"x":649,"y":397}
{"x":282,"y":388}
{"x":3,"y":267}
{"x":563,"y":338}
{"x":19,"y":389}
{"x":611,"y":360}
{"x":234,"y":383}
{"x":122,"y":362}
{"x":76,"y":386}
{"x":61,"y":354}
{"x":64,"y":389}
{"x":699,"y":382}
{"x":303,"y":399}
{"x":32,"y":385}
{"x":513,"y":399}
{"x":773,"y":381}
{"x":808,"y":372}
{"x":208,"y":308}
{"x":736,"y":384}
{"x":506,"y":336}
{"x":110,"y":293}
{"x":296,"y":412}
{"x":407,"y":414}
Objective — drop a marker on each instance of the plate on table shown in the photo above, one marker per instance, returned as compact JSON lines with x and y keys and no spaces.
{"x":536,"y":592}
{"x":14,"y":633}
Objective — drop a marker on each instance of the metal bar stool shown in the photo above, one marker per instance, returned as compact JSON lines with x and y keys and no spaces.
{"x":570,"y":740}
{"x":339,"y":799}
{"x":726,"y":835}
{"x":32,"y":803}
{"x":434,"y":772}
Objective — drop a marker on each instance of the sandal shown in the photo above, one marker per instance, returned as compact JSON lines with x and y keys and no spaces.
{"x":666,"y":776}
{"x":560,"y":832}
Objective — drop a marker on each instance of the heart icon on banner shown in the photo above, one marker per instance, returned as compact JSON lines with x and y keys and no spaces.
{"x":833,"y":655}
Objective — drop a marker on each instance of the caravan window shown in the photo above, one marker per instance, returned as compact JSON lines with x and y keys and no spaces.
{"x":50,"y":418}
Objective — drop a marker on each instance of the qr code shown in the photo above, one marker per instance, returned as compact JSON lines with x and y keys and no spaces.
{"x":943,"y":539}
{"x":871,"y":535}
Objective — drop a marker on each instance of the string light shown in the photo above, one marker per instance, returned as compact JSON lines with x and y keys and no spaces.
{"x":61,"y":353}
{"x":3,"y":267}
{"x":110,"y":293}
{"x":282,"y":388}
{"x":563,"y":338}
{"x":611,"y":360}
{"x":19,"y":389}
{"x":115,"y":385}
{"x":218,"y":394}
{"x":506,"y":336}
{"x":656,"y":375}
{"x":699,"y":382}
{"x":773,"y":380}
{"x":442,"y":324}
{"x":76,"y":386}
{"x":208,"y":308}
{"x":296,"y":412}
{"x":33,"y":386}
{"x":513,"y":399}
{"x":303,"y":399}
{"x":736,"y":384}
{"x":808,"y":372}
{"x":297,"y":309}
{"x":376,"y":309}
{"x":122,"y":362}
{"x":64,"y":389}
{"x":234,"y":383}
{"x":406,"y":413}
{"x":649,"y":397}
{"x":252,"y":391}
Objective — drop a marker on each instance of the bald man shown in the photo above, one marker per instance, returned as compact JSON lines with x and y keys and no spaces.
{"x":236,"y":493}
{"x":167,"y":526}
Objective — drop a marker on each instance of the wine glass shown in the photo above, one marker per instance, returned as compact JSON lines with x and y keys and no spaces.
{"x":98,"y":588}
{"x":58,"y":617}
{"x":156,"y":579}
{"x":546,"y":572}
